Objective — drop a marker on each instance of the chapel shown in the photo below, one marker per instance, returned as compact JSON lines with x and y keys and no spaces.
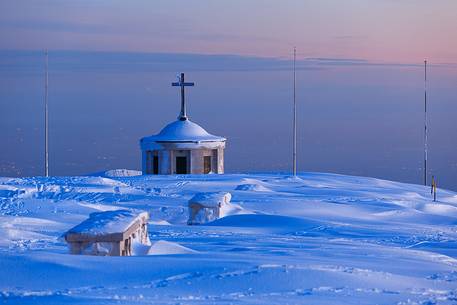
{"x":182,"y":146}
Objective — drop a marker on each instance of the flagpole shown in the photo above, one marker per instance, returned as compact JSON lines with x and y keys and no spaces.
{"x":294,"y":157}
{"x":46,"y":137}
{"x":425,"y":122}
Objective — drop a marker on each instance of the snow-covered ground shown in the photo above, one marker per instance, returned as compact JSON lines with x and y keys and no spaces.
{"x":316,"y":239}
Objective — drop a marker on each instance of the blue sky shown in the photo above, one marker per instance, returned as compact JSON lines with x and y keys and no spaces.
{"x":389,"y":30}
{"x":360,"y":82}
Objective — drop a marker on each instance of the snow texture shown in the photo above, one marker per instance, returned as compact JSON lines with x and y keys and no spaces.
{"x":183,"y":131}
{"x":113,"y":173}
{"x":163,"y":247}
{"x":211,"y":199}
{"x":313,"y":239}
{"x":109,"y":222}
{"x":206,"y":207}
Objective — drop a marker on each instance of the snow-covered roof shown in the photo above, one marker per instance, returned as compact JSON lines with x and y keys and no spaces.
{"x":106,"y":223}
{"x":211,"y":199}
{"x":183,"y":131}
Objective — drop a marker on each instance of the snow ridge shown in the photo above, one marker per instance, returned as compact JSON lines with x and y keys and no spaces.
{"x":315,"y":239}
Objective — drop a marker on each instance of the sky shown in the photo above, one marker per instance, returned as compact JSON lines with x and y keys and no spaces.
{"x":387,"y":30}
{"x":359,"y":82}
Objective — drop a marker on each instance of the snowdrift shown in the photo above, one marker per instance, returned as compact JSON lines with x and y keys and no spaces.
{"x":315,"y":239}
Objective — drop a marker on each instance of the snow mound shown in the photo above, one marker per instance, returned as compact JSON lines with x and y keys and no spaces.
{"x":117,"y":173}
{"x":325,"y":239}
{"x":160,"y":222}
{"x":206,"y":207}
{"x":163,"y":247}
{"x":139,"y":249}
{"x":211,"y":199}
{"x":266,"y":221}
{"x":232,"y":209}
{"x":252,"y":187}
{"x":440,"y":209}
{"x":89,"y":181}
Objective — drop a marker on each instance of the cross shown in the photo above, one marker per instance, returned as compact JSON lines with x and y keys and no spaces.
{"x":183,"y":115}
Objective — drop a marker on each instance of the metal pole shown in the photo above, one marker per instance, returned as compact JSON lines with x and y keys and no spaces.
{"x":46,"y":137}
{"x":425,"y":122}
{"x":295,"y":122}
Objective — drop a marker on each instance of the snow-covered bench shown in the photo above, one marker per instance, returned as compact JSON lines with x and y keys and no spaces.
{"x":109,"y":233}
{"x":205,"y":207}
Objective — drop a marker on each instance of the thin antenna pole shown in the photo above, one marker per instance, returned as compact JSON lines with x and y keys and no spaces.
{"x":46,"y":137}
{"x":295,"y":121}
{"x":425,"y":122}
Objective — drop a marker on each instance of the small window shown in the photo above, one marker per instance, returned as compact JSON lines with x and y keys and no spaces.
{"x":206,"y":164}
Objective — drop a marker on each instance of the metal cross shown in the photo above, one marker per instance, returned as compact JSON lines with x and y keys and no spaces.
{"x":181,"y":83}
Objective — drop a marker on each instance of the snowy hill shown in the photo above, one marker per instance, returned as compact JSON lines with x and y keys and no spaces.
{"x":316,"y":239}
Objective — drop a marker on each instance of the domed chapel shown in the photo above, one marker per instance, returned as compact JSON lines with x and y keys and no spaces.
{"x":182,"y":147}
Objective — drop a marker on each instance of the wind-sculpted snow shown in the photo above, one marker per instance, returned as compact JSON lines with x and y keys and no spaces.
{"x":268,"y":222}
{"x":162,"y":247}
{"x":313,"y":239}
{"x":117,"y":173}
{"x":109,"y":222}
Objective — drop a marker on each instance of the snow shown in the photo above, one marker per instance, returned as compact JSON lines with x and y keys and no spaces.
{"x":211,"y":199}
{"x":209,"y":206}
{"x":109,"y":222}
{"x":183,"y":131}
{"x":113,"y":173}
{"x":315,"y":239}
{"x":163,"y":247}
{"x":251,"y":187}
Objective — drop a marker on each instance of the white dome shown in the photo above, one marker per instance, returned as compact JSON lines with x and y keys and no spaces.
{"x":183,"y":131}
